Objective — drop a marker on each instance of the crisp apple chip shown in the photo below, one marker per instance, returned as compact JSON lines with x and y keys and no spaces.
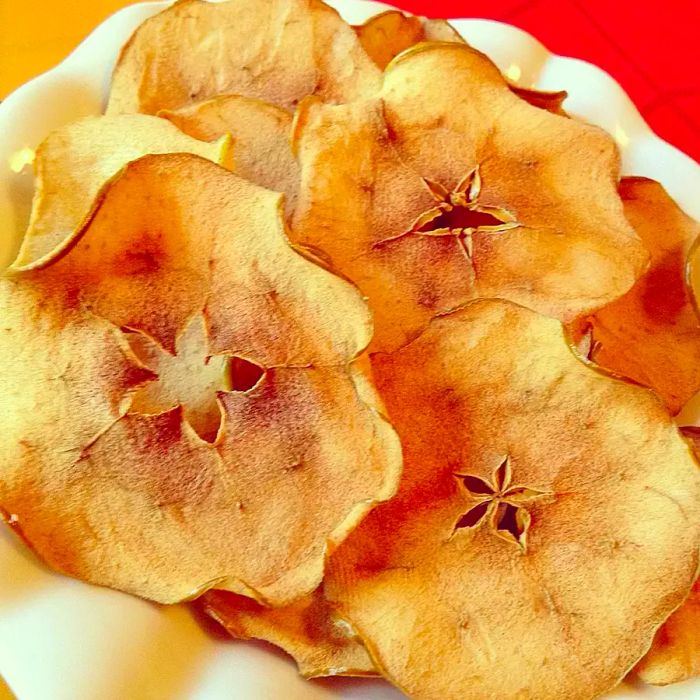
{"x":182,"y":409}
{"x":277,"y":50}
{"x":261,"y":133}
{"x":387,"y":34}
{"x":75,"y":161}
{"x":550,"y":100}
{"x":547,"y":522}
{"x":652,"y":333}
{"x":306,"y":629}
{"x":448,"y":187}
{"x":675,"y":654}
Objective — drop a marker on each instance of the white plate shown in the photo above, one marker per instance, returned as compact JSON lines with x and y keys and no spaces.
{"x":64,"y":640}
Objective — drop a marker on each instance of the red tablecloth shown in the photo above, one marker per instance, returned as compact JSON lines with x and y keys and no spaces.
{"x":651,"y":48}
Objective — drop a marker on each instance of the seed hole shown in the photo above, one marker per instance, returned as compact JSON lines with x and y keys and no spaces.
{"x":476,"y":485}
{"x":460,"y":218}
{"x":473,"y":516}
{"x":190,"y":378}
{"x":514,"y":520}
{"x":244,"y":374}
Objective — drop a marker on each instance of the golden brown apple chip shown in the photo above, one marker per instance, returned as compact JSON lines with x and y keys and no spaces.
{"x":261,"y":133}
{"x":675,"y":653}
{"x":277,"y":50}
{"x":75,"y":161}
{"x":547,"y":522}
{"x":449,"y":187}
{"x":552,"y":101}
{"x":182,"y":408}
{"x":387,"y":34}
{"x":652,"y":333}
{"x":306,"y":629}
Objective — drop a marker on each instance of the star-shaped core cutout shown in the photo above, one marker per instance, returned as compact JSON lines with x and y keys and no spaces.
{"x":500,"y":504}
{"x":190,"y":378}
{"x":458,"y":213}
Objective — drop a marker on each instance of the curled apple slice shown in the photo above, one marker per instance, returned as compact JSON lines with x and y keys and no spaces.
{"x":76,"y":161}
{"x":547,"y":522}
{"x":307,"y":630}
{"x":262,"y":134}
{"x":184,"y":405}
{"x":277,"y":50}
{"x":652,"y":334}
{"x":448,"y":187}
{"x":389,"y":33}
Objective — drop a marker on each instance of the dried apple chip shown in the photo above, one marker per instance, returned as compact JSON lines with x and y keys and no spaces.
{"x":260,"y":131}
{"x":550,"y":100}
{"x":307,"y":630}
{"x":675,"y":654}
{"x":547,"y":522}
{"x":652,"y":333}
{"x":183,"y":408}
{"x":448,"y":187}
{"x":387,"y":34}
{"x":75,"y":161}
{"x":277,"y":50}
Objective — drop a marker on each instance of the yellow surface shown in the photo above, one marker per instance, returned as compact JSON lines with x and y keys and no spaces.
{"x":34,"y":36}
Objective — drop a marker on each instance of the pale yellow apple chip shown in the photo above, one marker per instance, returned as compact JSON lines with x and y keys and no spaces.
{"x":261,"y":133}
{"x":387,"y":34}
{"x":182,"y":408}
{"x":277,"y":50}
{"x":675,"y":653}
{"x":652,"y":333}
{"x":75,"y":161}
{"x":306,"y":629}
{"x":547,"y":522}
{"x":448,"y":187}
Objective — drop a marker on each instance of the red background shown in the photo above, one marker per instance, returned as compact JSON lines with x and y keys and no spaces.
{"x":651,"y":48}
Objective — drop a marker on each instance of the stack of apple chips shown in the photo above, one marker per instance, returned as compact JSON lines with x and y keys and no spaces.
{"x":366,"y":349}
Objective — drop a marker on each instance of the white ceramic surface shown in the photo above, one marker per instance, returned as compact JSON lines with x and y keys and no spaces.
{"x":64,"y":640}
